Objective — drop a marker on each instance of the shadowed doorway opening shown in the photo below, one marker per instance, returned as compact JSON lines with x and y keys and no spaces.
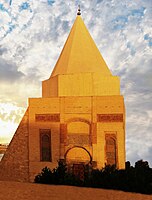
{"x":78,"y":159}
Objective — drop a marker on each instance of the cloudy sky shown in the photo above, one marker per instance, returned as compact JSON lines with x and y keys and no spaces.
{"x":32,"y":34}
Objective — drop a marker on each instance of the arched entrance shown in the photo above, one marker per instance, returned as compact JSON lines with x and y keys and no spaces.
{"x":77,"y":158}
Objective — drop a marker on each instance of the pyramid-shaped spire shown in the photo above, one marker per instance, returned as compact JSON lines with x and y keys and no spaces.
{"x":80,"y":54}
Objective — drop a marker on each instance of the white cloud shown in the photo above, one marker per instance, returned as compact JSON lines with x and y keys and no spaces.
{"x":10,"y":116}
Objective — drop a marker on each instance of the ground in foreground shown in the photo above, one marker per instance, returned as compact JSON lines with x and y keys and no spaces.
{"x":29,"y":191}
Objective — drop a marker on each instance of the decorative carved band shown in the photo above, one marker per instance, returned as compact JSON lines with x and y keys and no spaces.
{"x":109,"y":117}
{"x":78,"y":139}
{"x":47,"y":117}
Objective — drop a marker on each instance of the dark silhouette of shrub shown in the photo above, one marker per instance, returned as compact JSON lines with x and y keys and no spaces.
{"x":131,"y":179}
{"x":60,"y":173}
{"x":46,"y":176}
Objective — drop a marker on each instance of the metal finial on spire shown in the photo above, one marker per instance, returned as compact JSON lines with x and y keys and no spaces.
{"x":79,"y":10}
{"x":10,"y":2}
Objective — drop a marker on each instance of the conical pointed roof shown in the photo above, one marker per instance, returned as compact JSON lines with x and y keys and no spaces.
{"x":80,"y":54}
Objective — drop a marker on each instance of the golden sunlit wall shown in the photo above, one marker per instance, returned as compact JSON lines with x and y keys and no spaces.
{"x":77,"y":125}
{"x":82,"y":84}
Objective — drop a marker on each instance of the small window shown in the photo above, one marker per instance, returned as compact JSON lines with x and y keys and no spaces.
{"x":45,"y":145}
{"x":111,"y":150}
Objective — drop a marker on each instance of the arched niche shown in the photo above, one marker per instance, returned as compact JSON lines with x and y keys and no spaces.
{"x":78,"y":127}
{"x":78,"y":132}
{"x":111,"y":150}
{"x":45,"y":145}
{"x":78,"y":155}
{"x":78,"y":119}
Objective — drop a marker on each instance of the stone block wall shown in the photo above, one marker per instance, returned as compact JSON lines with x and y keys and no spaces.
{"x":14,"y":164}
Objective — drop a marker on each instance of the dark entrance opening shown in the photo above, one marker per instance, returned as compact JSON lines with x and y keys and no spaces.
{"x":78,"y":161}
{"x":78,"y":171}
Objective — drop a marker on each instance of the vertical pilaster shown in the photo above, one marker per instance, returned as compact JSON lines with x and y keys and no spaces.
{"x":63,"y":136}
{"x":94,"y":130}
{"x":63,"y":129}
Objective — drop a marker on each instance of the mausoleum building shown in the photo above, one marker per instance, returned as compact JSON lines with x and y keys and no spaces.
{"x":79,"y":119}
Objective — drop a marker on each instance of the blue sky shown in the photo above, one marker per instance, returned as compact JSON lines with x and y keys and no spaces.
{"x":32,"y":34}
